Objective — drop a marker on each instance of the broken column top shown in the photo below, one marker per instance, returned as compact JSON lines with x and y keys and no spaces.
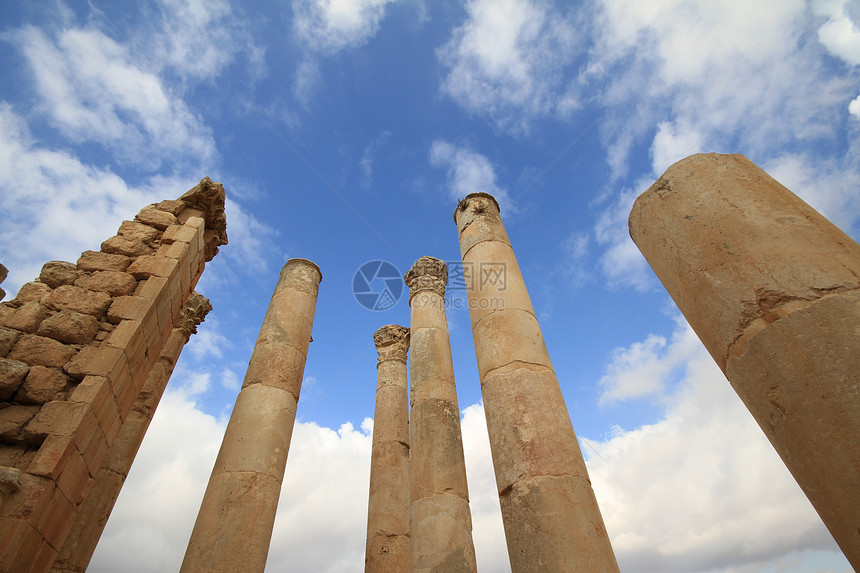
{"x":302,"y":262}
{"x":392,"y":342}
{"x":428,"y":273}
{"x":209,"y":197}
{"x":481,"y":200}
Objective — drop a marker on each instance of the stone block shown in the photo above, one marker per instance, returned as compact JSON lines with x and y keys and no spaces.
{"x":70,"y":327}
{"x":23,"y":543}
{"x":7,"y":309}
{"x":129,"y":308}
{"x":112,"y":282}
{"x":13,"y":419}
{"x":153,"y":287}
{"x":68,"y":297}
{"x":120,"y":245}
{"x":183,"y":233}
{"x":31,"y":292}
{"x":155,"y":217}
{"x":58,"y":273}
{"x":94,"y":361}
{"x":44,"y":557}
{"x":8,"y":337}
{"x":38,"y":350}
{"x":12,"y":374}
{"x":52,"y":456}
{"x":145,"y":267}
{"x":124,"y":333}
{"x":190,"y":213}
{"x":75,"y":479}
{"x":30,"y":501}
{"x":96,"y":452}
{"x":95,"y":261}
{"x":137,"y":231}
{"x":27,"y":317}
{"x":41,"y":385}
{"x":4,"y":272}
{"x":58,"y":418}
{"x":172,"y":206}
{"x":57,"y":520}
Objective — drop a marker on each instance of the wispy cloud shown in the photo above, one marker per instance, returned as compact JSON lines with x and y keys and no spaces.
{"x":468,"y":172}
{"x":506,"y":62}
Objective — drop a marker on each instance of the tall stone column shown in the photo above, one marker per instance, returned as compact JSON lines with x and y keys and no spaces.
{"x":772,"y":289}
{"x":441,"y":519}
{"x":550,"y":514}
{"x":94,"y":512}
{"x":388,"y":541}
{"x":234,"y":526}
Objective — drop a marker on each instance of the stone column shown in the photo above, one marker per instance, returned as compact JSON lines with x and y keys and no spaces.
{"x":441,"y":520}
{"x":234,"y":526}
{"x":388,"y":542}
{"x":771,"y":288}
{"x":94,"y":512}
{"x":550,"y":514}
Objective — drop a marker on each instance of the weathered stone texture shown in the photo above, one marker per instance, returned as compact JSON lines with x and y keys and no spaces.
{"x":95,"y":261}
{"x":112,"y":282}
{"x":38,"y":350}
{"x":58,"y":273}
{"x":8,"y":337}
{"x":69,"y":297}
{"x":155,"y":217}
{"x":772,"y":289}
{"x":12,"y":373}
{"x":234,"y":525}
{"x":389,"y":546}
{"x":31,"y":292}
{"x":41,"y":385}
{"x":70,"y":327}
{"x":27,"y":317}
{"x":550,"y":514}
{"x":441,"y":529}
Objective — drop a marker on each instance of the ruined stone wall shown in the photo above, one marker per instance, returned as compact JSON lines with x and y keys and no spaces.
{"x":77,"y":349}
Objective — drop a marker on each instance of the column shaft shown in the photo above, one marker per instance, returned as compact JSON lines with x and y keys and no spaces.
{"x":388,"y":540}
{"x":550,"y":514}
{"x":441,"y":519}
{"x":234,"y":526}
{"x":771,"y":288}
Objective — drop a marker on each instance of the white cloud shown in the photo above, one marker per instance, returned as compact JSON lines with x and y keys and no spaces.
{"x":840,"y":34}
{"x":854,"y":107}
{"x":506,"y":62}
{"x":328,"y":26}
{"x":366,"y":163}
{"x":468,"y":172}
{"x":702,"y":489}
{"x":575,"y":265}
{"x":91,"y":89}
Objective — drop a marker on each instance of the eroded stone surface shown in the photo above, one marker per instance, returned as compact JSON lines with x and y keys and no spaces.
{"x":114,"y":283}
{"x":57,"y":273}
{"x":548,"y":527}
{"x":772,"y":289}
{"x":12,"y":373}
{"x":70,"y":327}
{"x":41,"y":385}
{"x":27,"y":317}
{"x":69,"y":297}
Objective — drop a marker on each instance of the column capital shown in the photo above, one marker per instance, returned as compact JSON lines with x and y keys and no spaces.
{"x":193,"y":313}
{"x":392,"y":342}
{"x":428,"y":273}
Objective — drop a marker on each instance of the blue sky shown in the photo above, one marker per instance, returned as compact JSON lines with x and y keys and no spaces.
{"x":344,"y":131}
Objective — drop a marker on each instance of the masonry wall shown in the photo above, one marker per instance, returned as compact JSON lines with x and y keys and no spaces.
{"x":77,"y":346}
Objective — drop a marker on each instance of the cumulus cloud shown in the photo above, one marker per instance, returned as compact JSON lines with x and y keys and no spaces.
{"x":91,"y":89}
{"x":730,"y":77}
{"x":468,"y":172}
{"x":701,"y":489}
{"x":331,"y":25}
{"x":840,"y":34}
{"x":506,"y":62}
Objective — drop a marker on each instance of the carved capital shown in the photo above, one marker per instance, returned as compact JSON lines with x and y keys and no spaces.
{"x":428,"y":273}
{"x":392,"y":342}
{"x":193,"y":313}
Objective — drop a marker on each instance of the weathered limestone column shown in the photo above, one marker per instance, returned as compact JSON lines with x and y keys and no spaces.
{"x":772,"y":289}
{"x":441,"y":519}
{"x":234,"y":526}
{"x":550,"y":514}
{"x":94,"y":512}
{"x":388,"y":542}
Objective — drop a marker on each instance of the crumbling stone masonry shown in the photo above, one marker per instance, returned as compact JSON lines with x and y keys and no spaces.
{"x":3,"y":272}
{"x":234,"y":526}
{"x":550,"y":514}
{"x":83,"y":351}
{"x":772,"y":289}
{"x":388,"y":545}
